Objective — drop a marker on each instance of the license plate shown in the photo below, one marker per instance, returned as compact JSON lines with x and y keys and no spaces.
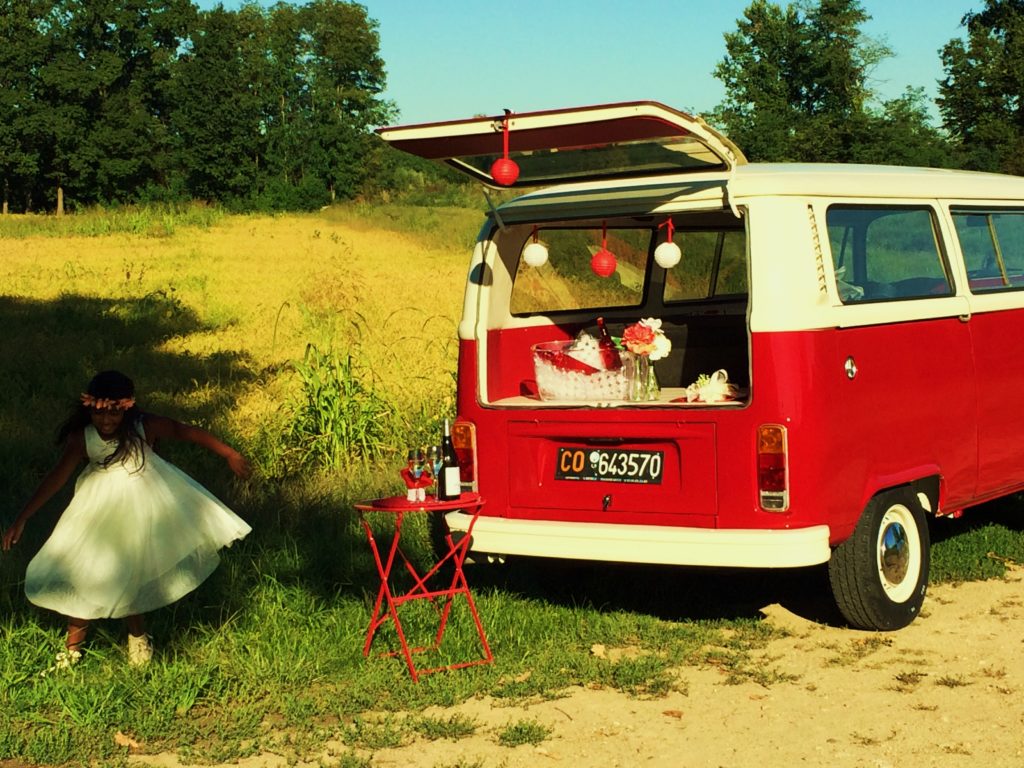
{"x":613,"y":466}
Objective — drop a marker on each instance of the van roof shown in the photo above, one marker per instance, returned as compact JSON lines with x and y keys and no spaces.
{"x":874,"y":181}
{"x":663,"y":194}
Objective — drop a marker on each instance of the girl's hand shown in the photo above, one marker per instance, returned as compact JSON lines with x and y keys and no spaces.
{"x":239,"y":465}
{"x":12,"y":534}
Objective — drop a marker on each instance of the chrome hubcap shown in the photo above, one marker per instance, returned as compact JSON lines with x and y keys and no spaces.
{"x":895,"y":553}
{"x":899,"y":553}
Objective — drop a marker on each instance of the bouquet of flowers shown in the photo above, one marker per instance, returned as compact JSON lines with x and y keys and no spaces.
{"x":647,"y":341}
{"x":646,"y":338}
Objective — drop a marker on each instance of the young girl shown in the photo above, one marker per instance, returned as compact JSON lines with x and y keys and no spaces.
{"x":139,"y":533}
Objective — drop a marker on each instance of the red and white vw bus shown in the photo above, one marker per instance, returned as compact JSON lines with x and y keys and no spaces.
{"x":868,"y":321}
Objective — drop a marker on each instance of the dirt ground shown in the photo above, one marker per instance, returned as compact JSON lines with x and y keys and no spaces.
{"x":946,"y":691}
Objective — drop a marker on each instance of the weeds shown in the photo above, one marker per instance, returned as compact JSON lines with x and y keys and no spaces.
{"x":453,"y":728}
{"x":339,"y":414}
{"x":523,"y":732}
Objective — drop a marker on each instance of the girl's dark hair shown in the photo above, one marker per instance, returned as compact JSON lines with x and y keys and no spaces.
{"x":109,"y":385}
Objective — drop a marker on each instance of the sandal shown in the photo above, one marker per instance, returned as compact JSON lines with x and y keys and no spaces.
{"x":140,"y":650}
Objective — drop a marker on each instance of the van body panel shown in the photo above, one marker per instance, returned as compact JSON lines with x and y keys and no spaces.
{"x":685,"y":452}
{"x":997,"y":341}
{"x":912,"y":403}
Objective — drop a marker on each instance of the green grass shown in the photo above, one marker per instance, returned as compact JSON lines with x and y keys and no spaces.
{"x":266,"y":656}
{"x":150,"y":221}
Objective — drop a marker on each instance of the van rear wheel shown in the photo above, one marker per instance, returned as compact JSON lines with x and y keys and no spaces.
{"x":880,"y":574}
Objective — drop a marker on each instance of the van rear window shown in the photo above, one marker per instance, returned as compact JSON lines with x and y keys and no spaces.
{"x":992,"y":242}
{"x":884,"y":254}
{"x":713,"y":264}
{"x":567,"y":281}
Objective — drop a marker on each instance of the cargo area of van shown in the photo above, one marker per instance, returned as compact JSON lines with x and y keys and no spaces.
{"x":700,"y":303}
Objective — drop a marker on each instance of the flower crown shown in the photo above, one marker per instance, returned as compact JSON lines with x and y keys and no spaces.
{"x":106,"y":403}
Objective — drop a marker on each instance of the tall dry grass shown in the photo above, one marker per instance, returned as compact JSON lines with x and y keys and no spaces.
{"x":236,"y":303}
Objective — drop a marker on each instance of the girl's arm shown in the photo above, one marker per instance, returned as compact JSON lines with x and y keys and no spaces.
{"x":161,"y":427}
{"x":74,"y":454}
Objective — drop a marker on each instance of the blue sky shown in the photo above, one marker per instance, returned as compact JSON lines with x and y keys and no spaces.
{"x":450,"y":59}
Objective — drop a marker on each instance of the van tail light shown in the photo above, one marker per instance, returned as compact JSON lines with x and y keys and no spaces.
{"x":464,"y":442}
{"x":772,"y":468}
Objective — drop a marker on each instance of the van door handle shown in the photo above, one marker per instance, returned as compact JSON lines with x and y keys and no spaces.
{"x":965,"y":318}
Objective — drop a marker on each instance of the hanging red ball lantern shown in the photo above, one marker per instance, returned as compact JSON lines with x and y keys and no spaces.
{"x":603,"y":263}
{"x":505,"y":171}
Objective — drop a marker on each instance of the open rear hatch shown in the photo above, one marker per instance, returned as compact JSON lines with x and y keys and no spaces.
{"x":611,"y":141}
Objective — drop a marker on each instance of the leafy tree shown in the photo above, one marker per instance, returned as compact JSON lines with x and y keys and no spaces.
{"x":902,"y":134}
{"x":980,"y":99}
{"x":20,"y":28}
{"x":217,"y":119}
{"x":796,"y":84}
{"x":346,"y":76}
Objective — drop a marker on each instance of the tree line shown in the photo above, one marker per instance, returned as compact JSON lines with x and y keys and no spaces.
{"x":798,"y":89}
{"x":134,"y":101}
{"x":122,"y":101}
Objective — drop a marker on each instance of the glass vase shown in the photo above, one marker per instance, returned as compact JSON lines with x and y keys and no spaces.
{"x":643,"y":385}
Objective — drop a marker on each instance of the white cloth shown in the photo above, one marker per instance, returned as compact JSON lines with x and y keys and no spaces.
{"x":137,"y":535}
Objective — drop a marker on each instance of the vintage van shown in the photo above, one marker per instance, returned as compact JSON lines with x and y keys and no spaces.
{"x":869,"y":321}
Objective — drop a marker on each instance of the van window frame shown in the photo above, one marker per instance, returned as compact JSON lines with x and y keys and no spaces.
{"x":588,"y":224}
{"x":714,"y":294}
{"x":857,"y":240}
{"x":956,"y":211}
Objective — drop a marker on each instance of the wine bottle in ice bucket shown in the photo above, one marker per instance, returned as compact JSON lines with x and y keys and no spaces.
{"x":449,"y":480}
{"x":609,"y":354}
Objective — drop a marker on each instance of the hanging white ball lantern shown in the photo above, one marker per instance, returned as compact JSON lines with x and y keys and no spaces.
{"x":667,"y":255}
{"x":535,"y":254}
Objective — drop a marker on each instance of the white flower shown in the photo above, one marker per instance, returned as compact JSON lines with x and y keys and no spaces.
{"x":662,"y":346}
{"x":653,"y":323}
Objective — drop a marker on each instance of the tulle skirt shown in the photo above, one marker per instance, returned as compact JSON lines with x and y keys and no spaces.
{"x":131,"y":542}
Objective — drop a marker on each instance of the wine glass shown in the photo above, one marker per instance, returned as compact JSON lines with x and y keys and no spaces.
{"x":415,"y":460}
{"x":434,"y":457}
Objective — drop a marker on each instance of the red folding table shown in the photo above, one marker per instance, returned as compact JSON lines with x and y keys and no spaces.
{"x":399,"y":506}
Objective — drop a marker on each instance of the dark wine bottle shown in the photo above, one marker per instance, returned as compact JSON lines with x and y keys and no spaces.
{"x":449,"y":480}
{"x":609,"y":354}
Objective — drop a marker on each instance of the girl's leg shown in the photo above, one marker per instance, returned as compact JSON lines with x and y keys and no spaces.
{"x":78,"y":629}
{"x":140,"y":650}
{"x":136,"y":624}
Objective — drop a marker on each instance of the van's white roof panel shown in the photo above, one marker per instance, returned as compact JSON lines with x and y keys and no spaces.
{"x":666,"y":193}
{"x":609,"y":141}
{"x":871,"y":181}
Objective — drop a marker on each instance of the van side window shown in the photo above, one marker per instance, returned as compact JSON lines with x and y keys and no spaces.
{"x":992,"y":242}
{"x":566,"y":281}
{"x":886,"y":253}
{"x":714,"y":263}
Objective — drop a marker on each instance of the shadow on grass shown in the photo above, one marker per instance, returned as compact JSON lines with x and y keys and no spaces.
{"x":49,"y":351}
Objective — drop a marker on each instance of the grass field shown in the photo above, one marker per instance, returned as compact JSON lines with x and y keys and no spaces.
{"x":231,"y":323}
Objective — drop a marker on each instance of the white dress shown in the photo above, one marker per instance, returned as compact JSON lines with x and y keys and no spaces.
{"x":137,"y":535}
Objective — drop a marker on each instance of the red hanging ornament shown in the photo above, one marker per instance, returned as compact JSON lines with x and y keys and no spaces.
{"x":604,"y":262}
{"x":504,"y":170}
